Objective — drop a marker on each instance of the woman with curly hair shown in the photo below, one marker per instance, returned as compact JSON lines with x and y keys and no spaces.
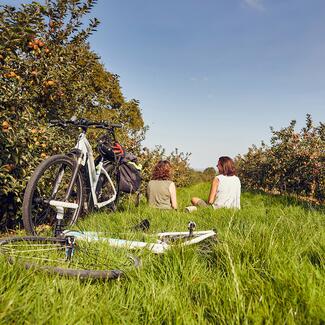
{"x":161,"y":190}
{"x":225,"y":188}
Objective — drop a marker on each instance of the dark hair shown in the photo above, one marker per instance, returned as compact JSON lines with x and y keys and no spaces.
{"x":226,"y":166}
{"x":162,"y":170}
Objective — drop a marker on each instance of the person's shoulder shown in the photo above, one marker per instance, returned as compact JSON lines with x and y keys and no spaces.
{"x":169,"y":183}
{"x":151,"y":182}
{"x":160,"y":182}
{"x":236,"y":179}
{"x":232,"y":178}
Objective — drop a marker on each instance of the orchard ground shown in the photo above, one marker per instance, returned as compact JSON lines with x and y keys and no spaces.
{"x":267,"y":267}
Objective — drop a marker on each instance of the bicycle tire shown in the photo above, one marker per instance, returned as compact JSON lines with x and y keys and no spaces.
{"x":68,"y":272}
{"x":53,"y":172}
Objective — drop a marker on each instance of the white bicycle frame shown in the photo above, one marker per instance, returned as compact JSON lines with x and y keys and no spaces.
{"x":159,"y":247}
{"x":94,"y":172}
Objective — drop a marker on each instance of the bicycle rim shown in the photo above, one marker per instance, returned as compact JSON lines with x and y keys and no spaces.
{"x":88,"y":260}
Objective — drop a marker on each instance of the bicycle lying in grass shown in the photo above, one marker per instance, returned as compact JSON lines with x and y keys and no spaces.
{"x":64,"y":185}
{"x":55,"y":197}
{"x":84,"y":254}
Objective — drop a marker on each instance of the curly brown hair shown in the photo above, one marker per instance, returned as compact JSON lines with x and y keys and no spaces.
{"x":162,"y":171}
{"x":226,"y":166}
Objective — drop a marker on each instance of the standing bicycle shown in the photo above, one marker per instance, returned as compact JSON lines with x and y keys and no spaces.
{"x":64,"y":185}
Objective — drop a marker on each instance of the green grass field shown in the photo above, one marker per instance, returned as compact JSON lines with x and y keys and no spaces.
{"x":268,"y":267}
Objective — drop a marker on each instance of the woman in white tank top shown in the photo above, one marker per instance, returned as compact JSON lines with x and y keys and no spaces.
{"x":225,"y":188}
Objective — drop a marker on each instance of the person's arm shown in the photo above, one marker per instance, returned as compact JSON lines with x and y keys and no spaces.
{"x":173,"y":199}
{"x":213,"y":190}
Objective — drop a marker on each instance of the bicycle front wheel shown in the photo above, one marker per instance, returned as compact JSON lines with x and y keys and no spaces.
{"x":50,"y":181}
{"x":55,"y":255}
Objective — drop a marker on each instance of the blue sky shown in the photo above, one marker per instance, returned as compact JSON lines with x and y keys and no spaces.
{"x":213,"y":75}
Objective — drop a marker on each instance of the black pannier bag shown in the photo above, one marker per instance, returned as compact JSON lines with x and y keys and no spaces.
{"x":130,"y":174}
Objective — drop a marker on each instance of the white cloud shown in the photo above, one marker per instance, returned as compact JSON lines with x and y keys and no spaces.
{"x":204,"y":78}
{"x":255,"y":4}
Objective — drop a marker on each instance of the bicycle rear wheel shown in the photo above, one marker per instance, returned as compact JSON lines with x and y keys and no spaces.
{"x":50,"y":181}
{"x":87,"y":261}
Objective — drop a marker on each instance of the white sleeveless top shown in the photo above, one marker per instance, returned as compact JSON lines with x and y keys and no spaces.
{"x":228,"y":193}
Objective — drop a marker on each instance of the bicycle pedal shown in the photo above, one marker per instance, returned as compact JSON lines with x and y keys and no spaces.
{"x":144,"y":225}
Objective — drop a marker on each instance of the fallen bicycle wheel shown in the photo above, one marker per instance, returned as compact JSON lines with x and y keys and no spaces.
{"x":63,"y":256}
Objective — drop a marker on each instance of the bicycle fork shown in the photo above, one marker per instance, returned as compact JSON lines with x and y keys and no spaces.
{"x":61,"y":205}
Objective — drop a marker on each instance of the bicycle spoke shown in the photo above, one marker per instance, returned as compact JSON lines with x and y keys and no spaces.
{"x":43,"y":217}
{"x":51,"y":182}
{"x":57,"y":182}
{"x":87,"y":259}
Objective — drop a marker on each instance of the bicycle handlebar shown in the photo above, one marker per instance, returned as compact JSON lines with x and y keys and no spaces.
{"x":83,"y":123}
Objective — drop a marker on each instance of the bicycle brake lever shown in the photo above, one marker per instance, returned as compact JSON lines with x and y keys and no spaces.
{"x":82,"y":122}
{"x":57,"y":123}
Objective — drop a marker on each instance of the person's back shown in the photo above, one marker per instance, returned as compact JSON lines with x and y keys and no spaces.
{"x":161,"y":191}
{"x":225,"y":188}
{"x":228,"y":192}
{"x":158,"y":194}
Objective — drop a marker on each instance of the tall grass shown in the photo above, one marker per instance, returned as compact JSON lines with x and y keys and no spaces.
{"x":267,"y":267}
